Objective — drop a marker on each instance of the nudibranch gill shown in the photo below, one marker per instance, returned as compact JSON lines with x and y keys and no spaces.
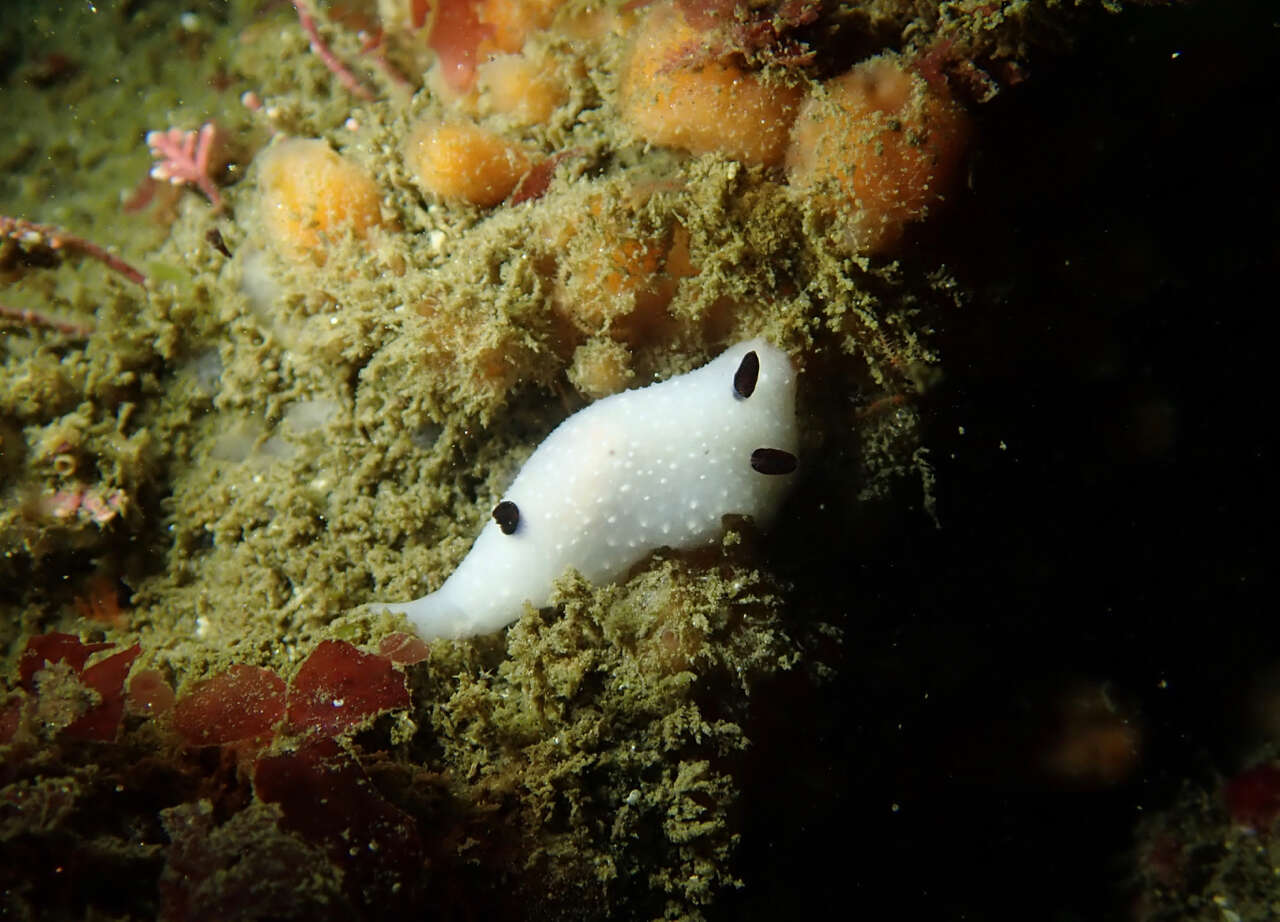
{"x":658,"y":466}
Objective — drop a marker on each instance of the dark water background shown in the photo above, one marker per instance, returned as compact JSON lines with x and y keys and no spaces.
{"x":1122,"y":240}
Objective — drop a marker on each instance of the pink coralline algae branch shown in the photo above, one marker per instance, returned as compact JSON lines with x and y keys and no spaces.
{"x":19,"y":236}
{"x":185,"y":157}
{"x":24,"y":244}
{"x":96,"y":504}
{"x":31,"y":318}
{"x":325,"y":53}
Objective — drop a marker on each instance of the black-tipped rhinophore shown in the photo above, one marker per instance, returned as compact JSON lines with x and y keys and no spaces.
{"x":507,"y":515}
{"x":744,"y":379}
{"x":773,"y":461}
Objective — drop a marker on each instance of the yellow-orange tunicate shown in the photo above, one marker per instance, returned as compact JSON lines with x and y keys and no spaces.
{"x":464,"y":162}
{"x":526,"y":89}
{"x":612,"y":282}
{"x":464,"y":33}
{"x":879,"y":145}
{"x":676,"y":95}
{"x":511,"y":21}
{"x":601,"y":367}
{"x":310,"y":196}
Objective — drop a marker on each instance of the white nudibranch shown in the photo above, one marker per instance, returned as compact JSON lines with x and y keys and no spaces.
{"x":653,"y":467}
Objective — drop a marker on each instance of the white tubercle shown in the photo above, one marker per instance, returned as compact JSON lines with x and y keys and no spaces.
{"x":653,"y":467}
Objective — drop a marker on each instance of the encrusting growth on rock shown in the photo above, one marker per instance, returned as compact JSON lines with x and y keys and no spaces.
{"x":877,"y":147}
{"x":386,"y":342}
{"x":310,"y":196}
{"x":675,"y":95}
{"x":464,"y":162}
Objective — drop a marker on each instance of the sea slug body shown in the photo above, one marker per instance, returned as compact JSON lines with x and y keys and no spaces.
{"x":658,"y":466}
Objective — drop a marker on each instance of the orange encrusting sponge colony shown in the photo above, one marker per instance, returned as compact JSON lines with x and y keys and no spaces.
{"x":878,"y":145}
{"x":461,"y":161}
{"x":525,"y":89}
{"x":310,"y":197}
{"x":676,"y":94}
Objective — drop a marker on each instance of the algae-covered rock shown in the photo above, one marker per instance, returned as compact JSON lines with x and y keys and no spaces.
{"x":306,"y":407}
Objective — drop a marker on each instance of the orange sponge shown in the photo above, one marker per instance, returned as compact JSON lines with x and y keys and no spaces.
{"x":462,"y":161}
{"x":880,"y":145}
{"x":676,"y":94}
{"x":310,"y":195}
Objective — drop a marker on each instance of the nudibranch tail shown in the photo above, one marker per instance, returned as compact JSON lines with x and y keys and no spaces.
{"x":436,"y":617}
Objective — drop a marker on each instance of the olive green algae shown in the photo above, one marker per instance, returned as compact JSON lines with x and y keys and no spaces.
{"x":609,"y":730}
{"x":294,"y":440}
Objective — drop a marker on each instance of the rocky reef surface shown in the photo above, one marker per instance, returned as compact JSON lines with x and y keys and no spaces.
{"x":291,"y":294}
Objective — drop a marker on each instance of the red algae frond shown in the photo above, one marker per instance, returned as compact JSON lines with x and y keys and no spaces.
{"x":98,"y":716}
{"x":338,"y":687}
{"x":243,"y":703}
